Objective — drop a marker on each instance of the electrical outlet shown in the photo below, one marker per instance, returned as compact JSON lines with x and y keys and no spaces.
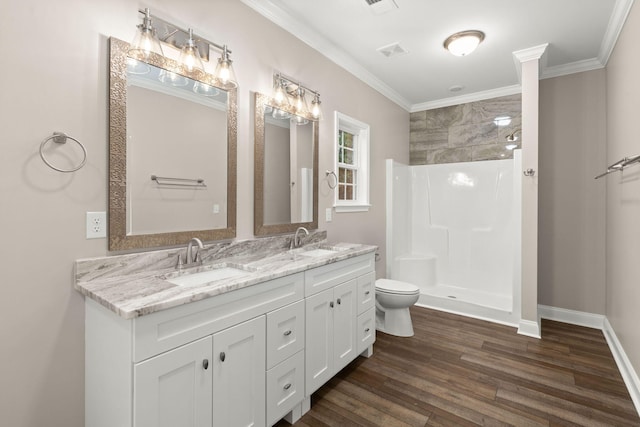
{"x":96,"y":225}
{"x":328,"y":215}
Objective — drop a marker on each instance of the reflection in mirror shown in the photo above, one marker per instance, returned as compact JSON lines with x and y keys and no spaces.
{"x":172,"y":170}
{"x":194,"y":124}
{"x":286,"y":169}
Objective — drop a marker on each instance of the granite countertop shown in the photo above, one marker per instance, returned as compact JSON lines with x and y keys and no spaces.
{"x":133,"y":292}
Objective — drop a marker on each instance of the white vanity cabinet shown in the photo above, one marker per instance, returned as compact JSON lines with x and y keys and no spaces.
{"x":331,"y":299}
{"x":246,"y":357}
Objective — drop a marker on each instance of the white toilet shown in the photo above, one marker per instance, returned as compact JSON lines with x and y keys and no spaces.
{"x":393,"y":299}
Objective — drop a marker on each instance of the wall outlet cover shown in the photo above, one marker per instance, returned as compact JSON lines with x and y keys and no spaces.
{"x":328,"y":213}
{"x":96,"y":225}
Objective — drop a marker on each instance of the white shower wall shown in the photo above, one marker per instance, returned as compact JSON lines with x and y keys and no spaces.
{"x":461,"y":220}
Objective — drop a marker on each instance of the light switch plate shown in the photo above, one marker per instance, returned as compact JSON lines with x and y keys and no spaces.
{"x":96,"y":225}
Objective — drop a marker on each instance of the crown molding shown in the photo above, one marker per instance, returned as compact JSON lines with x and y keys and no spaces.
{"x":463,"y":99}
{"x":571,"y":68}
{"x":618,"y":17}
{"x":316,"y":41}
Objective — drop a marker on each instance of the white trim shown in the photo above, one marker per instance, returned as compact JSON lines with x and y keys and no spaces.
{"x":571,"y":68}
{"x":352,"y":208}
{"x":464,"y":99}
{"x":618,"y":17}
{"x":629,"y":374}
{"x":598,"y":321}
{"x":573,"y":317}
{"x":529,"y":328}
{"x":530,"y":54}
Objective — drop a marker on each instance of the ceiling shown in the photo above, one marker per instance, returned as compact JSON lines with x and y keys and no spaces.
{"x":581,"y":35}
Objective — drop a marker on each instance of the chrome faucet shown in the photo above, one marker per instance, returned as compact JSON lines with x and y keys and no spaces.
{"x":189,"y":258}
{"x":295,"y":241}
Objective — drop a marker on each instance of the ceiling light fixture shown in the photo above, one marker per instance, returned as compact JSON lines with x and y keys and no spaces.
{"x":464,"y":42}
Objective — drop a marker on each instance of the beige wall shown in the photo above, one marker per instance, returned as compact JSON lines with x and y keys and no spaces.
{"x":55,"y":79}
{"x":571,"y":223}
{"x":623,"y":190}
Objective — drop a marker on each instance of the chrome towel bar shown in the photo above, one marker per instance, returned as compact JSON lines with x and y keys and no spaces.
{"x":178,"y":182}
{"x":620,"y":165}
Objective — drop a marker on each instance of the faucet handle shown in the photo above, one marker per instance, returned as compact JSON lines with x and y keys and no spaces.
{"x":180,"y":263}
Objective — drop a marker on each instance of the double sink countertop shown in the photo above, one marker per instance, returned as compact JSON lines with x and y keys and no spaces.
{"x":133,"y":286}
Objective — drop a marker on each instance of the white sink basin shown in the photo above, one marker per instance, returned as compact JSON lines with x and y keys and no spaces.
{"x":318,"y":252}
{"x":204,"y":277}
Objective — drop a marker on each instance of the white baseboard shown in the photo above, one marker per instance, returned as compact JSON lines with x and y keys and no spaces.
{"x":573,"y":317}
{"x":598,"y":321}
{"x":529,"y":328}
{"x":624,"y":364}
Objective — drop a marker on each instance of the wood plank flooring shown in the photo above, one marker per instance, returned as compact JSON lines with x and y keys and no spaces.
{"x":458,"y":371}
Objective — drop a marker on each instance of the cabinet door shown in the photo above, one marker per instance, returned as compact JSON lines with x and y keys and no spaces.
{"x":344,"y":324}
{"x":319,"y":340}
{"x":239,"y":375}
{"x":174,"y":388}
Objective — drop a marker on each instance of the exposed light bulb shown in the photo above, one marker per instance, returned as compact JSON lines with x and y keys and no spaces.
{"x":315,"y":107}
{"x":224,"y":70}
{"x":280,"y":95}
{"x":189,"y":56}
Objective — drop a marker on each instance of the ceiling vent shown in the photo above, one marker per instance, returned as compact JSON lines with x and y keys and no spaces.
{"x":392,"y":49}
{"x":382,"y":6}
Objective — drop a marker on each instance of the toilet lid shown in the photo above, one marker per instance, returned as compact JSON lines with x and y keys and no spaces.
{"x":395,"y":287}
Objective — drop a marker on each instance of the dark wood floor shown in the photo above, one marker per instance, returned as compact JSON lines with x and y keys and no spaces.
{"x":458,"y":371}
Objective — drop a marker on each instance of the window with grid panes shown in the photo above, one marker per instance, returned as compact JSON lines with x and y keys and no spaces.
{"x":352,"y":164}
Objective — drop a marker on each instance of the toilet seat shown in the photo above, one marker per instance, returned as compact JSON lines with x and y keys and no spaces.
{"x":396,"y":287}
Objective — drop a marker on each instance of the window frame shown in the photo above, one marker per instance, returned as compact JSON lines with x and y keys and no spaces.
{"x":361,"y":132}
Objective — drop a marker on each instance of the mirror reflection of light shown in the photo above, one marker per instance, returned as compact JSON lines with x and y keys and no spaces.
{"x":461,"y":179}
{"x":502,"y":121}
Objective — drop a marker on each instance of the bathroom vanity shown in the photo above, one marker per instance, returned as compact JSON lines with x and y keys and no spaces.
{"x":241,"y":341}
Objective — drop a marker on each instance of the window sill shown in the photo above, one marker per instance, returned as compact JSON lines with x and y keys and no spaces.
{"x":352,"y":208}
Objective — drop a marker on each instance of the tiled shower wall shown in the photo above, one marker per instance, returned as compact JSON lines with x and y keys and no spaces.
{"x":465,"y":132}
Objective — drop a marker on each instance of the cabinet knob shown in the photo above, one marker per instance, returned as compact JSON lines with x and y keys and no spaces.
{"x":331,"y":304}
{"x":367,"y":293}
{"x":205,"y":363}
{"x":287,"y":332}
{"x":366,"y":330}
{"x":339,"y":302}
{"x":287,"y":386}
{"x":222,"y":356}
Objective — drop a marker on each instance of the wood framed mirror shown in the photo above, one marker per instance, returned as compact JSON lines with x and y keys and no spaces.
{"x":285,"y":169}
{"x":172,"y":153}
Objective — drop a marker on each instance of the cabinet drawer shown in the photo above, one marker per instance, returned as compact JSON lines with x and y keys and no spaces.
{"x":285,"y":333}
{"x":366,"y":292}
{"x":366,"y":333}
{"x":321,"y":278}
{"x":164,"y":330}
{"x":285,"y":387}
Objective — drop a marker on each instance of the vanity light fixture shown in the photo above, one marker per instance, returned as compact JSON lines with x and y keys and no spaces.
{"x":292,"y":96}
{"x":146,"y":40}
{"x":464,"y":42}
{"x":193,"y":49}
{"x":189,"y":55}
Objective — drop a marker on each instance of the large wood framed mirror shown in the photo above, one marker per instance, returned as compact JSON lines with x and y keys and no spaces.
{"x":285,"y":169}
{"x":172,"y":153}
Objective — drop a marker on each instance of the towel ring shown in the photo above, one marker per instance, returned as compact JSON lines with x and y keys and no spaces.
{"x":327,"y":173}
{"x":61,"y":138}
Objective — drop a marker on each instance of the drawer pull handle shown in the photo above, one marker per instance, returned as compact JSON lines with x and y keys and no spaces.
{"x":367,"y":293}
{"x":287,"y":386}
{"x":222,"y":356}
{"x":366,"y":330}
{"x":331,"y":304}
{"x":287,"y":333}
{"x":339,"y":302}
{"x":205,"y":364}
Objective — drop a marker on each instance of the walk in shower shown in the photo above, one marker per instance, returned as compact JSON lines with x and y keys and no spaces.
{"x":453,"y":230}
